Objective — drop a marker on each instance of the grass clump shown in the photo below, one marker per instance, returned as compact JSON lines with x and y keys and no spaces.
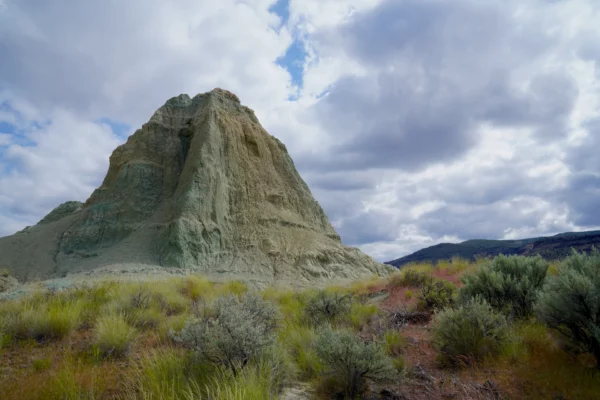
{"x":159,"y":374}
{"x":261,"y":380}
{"x":299,"y":341}
{"x":239,"y":330}
{"x":43,"y":321}
{"x":146,"y":305}
{"x":394,"y":342}
{"x":570,"y":303}
{"x":362,"y":314}
{"x":469,"y":333}
{"x":41,"y":364}
{"x":509,"y":284}
{"x":196,"y":287}
{"x":351,"y":363}
{"x":437,"y":294}
{"x":113,"y":336}
{"x":237,"y":288}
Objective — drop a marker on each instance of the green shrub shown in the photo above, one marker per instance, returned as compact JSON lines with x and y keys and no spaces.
{"x":509,"y":284}
{"x":470,"y":332}
{"x":41,"y":364}
{"x":412,"y":276}
{"x":328,"y":306}
{"x":113,"y":336}
{"x":570,"y":302}
{"x":351,"y":363}
{"x":437,"y":294}
{"x":239,"y":330}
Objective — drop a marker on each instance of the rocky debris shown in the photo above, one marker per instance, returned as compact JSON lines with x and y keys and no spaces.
{"x":7,"y":282}
{"x":298,"y":391}
{"x":201,"y":187}
{"x":402,"y":316}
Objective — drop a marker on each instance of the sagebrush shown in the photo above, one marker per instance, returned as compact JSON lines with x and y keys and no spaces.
{"x":509,"y":284}
{"x":570,"y":302}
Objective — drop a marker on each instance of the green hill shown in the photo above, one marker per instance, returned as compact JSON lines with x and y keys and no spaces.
{"x":551,"y":248}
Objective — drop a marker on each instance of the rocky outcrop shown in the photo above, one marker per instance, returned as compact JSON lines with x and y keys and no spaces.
{"x":200,"y":187}
{"x":63,"y":210}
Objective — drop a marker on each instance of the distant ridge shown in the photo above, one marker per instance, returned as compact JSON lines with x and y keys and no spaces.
{"x":551,"y":248}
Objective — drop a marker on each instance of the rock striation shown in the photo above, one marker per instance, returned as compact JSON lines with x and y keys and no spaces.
{"x":201,"y":187}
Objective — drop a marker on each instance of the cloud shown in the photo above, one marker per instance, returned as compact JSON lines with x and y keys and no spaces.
{"x":413,"y":122}
{"x":461,"y":116}
{"x":433,"y":73}
{"x":62,"y":159}
{"x":123,"y":60}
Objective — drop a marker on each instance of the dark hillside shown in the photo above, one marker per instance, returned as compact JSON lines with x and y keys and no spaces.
{"x":551,"y":248}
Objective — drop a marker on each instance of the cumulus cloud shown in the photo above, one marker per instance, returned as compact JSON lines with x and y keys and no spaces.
{"x":463,"y":116}
{"x":124,"y":59}
{"x":49,"y":163}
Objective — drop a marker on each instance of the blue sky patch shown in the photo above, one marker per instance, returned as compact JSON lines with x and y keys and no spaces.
{"x":5,"y":127}
{"x":295,"y":56}
{"x":281,"y":8}
{"x":119,"y":128}
{"x":293,"y":62}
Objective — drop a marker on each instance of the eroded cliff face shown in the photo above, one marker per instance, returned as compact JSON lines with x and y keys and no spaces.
{"x":201,"y":187}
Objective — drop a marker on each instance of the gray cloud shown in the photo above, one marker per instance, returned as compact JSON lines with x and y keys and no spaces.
{"x":430,"y":80}
{"x":436,"y":72}
{"x":583,"y":191}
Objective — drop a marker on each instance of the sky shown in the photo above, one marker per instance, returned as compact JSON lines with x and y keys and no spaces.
{"x":414,"y":122}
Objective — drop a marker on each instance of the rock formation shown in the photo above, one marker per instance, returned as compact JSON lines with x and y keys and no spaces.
{"x":201,"y":187}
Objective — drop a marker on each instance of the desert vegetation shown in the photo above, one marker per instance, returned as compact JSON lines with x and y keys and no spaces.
{"x":510,"y":327}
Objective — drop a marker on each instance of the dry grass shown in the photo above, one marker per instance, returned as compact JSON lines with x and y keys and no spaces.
{"x":51,"y":344}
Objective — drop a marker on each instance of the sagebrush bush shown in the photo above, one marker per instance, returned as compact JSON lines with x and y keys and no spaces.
{"x":469,"y":333}
{"x":570,"y":302}
{"x":328,"y":306}
{"x":240,"y":330}
{"x":351,"y":363}
{"x":508,"y":283}
{"x":113,"y":336}
{"x":437,"y":294}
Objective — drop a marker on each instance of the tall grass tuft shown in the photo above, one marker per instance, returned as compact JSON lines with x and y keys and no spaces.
{"x":113,"y":336}
{"x":34,"y":319}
